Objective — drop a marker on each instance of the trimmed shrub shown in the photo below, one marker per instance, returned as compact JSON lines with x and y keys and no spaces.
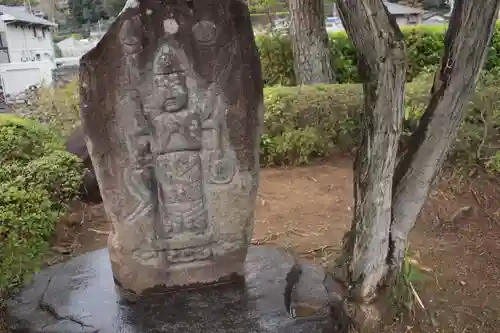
{"x":276,"y":58}
{"x":307,"y":122}
{"x":27,"y":220}
{"x":22,"y":140}
{"x":38,"y":179}
{"x":424,"y":48}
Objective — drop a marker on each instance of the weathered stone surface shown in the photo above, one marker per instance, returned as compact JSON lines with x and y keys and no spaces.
{"x":80,"y":296}
{"x":171,"y":102}
{"x":89,"y":190}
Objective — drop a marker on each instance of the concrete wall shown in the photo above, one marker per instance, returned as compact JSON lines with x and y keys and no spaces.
{"x":412,"y":19}
{"x":16,"y":77}
{"x":63,"y":74}
{"x":72,"y":47}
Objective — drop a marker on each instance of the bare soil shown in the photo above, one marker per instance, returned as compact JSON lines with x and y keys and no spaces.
{"x":456,"y":242}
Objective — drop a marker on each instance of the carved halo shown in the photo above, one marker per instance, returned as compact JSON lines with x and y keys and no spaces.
{"x":205,"y":32}
{"x":131,"y":43}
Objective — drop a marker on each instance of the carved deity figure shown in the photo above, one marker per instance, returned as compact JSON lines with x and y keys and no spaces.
{"x":178,"y":183}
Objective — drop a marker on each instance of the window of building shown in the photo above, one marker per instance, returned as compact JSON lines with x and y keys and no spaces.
{"x":38,"y":57}
{"x":43,"y":32}
{"x":34,"y":31}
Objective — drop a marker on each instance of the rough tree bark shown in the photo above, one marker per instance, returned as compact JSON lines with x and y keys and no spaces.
{"x":466,"y":45}
{"x":310,"y":42}
{"x":389,"y":197}
{"x":381,"y":53}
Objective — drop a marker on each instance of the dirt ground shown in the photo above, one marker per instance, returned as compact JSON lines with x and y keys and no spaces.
{"x":456,"y":241}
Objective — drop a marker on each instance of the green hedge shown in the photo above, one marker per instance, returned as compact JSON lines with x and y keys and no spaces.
{"x":301,"y":123}
{"x":424,"y":48}
{"x":306,"y":122}
{"x":38,"y":179}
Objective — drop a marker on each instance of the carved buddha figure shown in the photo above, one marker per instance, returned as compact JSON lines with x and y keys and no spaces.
{"x":176,"y":147}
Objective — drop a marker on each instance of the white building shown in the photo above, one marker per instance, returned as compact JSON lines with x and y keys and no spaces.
{"x":26,"y":50}
{"x":72,"y":47}
{"x":404,"y":16}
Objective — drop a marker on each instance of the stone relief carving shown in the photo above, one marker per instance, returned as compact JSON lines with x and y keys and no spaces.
{"x":128,"y":38}
{"x":173,"y":164}
{"x":205,"y":32}
{"x":168,"y":157}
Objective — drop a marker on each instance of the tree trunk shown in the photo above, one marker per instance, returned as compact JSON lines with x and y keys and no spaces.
{"x":466,"y":44}
{"x":381,"y":54}
{"x":310,"y":42}
{"x":388,"y":199}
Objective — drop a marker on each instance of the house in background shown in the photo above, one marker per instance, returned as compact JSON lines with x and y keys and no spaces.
{"x":405,"y":15}
{"x":73,"y":47}
{"x":27,"y":54}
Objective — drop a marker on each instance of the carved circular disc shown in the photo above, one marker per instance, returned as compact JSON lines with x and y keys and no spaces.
{"x":222,"y":171}
{"x":205,"y":32}
{"x":128,"y":35}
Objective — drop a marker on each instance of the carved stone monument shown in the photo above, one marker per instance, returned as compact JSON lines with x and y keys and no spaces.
{"x":171,"y":102}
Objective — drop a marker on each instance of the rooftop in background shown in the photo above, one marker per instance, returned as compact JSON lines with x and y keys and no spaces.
{"x":21,"y":14}
{"x":396,"y":9}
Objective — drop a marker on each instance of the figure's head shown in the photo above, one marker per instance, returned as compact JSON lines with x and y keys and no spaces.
{"x":170,"y":80}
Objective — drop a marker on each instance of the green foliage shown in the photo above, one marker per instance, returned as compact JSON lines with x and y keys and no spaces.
{"x":38,"y":179}
{"x":87,"y":11}
{"x":60,"y":172}
{"x":114,"y":7}
{"x":268,"y":6}
{"x":424,"y":50}
{"x":479,"y":138}
{"x":301,"y":123}
{"x":27,"y":220}
{"x":310,"y":121}
{"x":403,"y":294}
{"x":60,"y":37}
{"x":344,"y":58}
{"x":276,"y":58}
{"x":33,"y":3}
{"x":22,"y":140}
{"x":57,"y":106}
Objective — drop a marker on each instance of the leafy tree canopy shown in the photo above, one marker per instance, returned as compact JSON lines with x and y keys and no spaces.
{"x":18,"y":2}
{"x":114,"y":7}
{"x":87,"y":11}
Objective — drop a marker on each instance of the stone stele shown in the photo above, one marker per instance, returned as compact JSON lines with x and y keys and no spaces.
{"x":171,"y":103}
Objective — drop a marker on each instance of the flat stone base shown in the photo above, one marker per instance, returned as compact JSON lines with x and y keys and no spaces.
{"x":80,"y":296}
{"x":133,"y":275}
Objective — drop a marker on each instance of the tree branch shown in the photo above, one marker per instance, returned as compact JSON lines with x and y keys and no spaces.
{"x":466,"y":42}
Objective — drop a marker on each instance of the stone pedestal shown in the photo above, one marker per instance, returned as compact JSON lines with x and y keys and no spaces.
{"x":80,"y":296}
{"x":171,"y":103}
